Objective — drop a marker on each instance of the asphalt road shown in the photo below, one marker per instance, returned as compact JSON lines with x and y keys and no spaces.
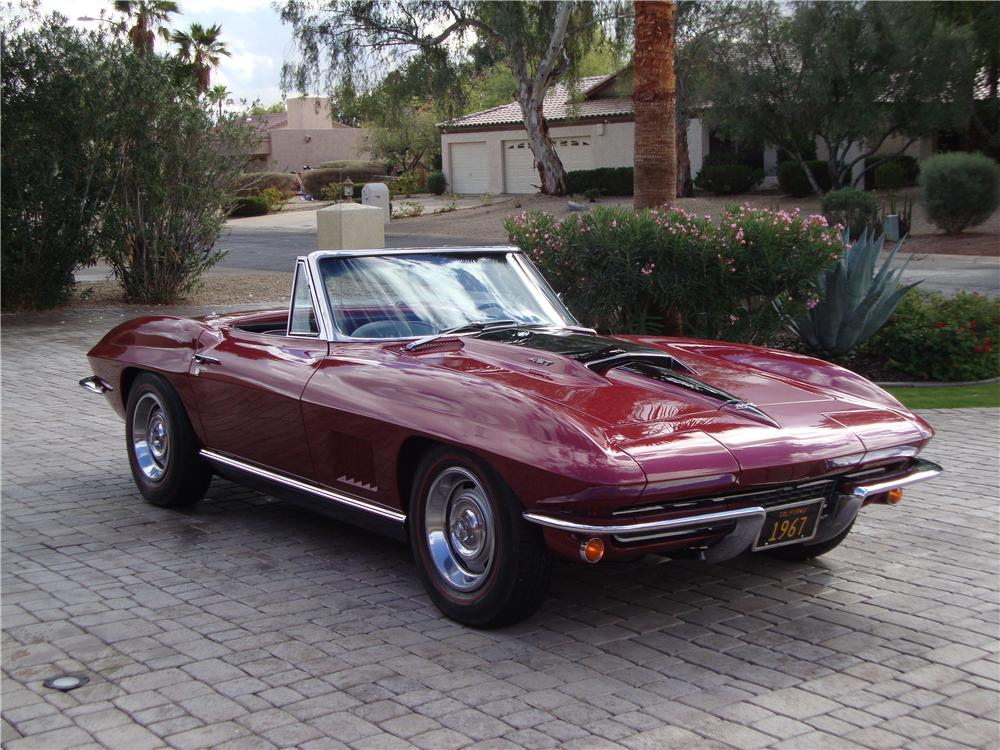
{"x":276,"y":249}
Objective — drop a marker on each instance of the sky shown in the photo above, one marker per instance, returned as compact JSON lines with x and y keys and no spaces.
{"x":257,"y":40}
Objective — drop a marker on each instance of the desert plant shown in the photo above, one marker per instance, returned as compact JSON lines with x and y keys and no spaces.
{"x":960,"y":190}
{"x":728,"y":179}
{"x":436,"y":183}
{"x":854,"y":300}
{"x":793,"y":181}
{"x":933,"y":337}
{"x":486,"y":198}
{"x":853,"y":209}
{"x":179,"y":165}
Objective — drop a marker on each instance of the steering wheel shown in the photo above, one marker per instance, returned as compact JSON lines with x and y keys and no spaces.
{"x":486,"y":306}
{"x":393,"y":329}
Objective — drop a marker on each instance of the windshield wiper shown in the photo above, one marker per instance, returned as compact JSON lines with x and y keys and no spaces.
{"x":473,"y":326}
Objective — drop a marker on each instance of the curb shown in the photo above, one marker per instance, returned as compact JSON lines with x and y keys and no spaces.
{"x":921,"y":384}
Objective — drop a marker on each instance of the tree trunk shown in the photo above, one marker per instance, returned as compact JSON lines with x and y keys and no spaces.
{"x":550,"y":168}
{"x":531,"y":98}
{"x":653,"y":96}
{"x":685,"y":183}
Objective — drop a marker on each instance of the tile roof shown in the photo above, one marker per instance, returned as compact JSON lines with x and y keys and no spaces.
{"x":557,"y":107}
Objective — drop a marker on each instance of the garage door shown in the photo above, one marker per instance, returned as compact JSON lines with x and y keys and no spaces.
{"x":469,"y":171}
{"x":520,"y":175}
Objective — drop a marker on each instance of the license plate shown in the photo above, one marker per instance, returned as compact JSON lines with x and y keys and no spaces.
{"x":789,"y":524}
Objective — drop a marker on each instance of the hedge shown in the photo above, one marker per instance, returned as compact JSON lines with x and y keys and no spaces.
{"x":249,"y":205}
{"x":608,"y":180}
{"x":252,"y":183}
{"x":728,"y":179}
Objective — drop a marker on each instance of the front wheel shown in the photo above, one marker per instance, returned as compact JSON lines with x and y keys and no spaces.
{"x":162,"y":448}
{"x":482,"y":564}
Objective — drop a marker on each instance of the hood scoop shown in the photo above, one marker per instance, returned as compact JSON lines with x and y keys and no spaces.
{"x":600,"y":355}
{"x":729,"y":401}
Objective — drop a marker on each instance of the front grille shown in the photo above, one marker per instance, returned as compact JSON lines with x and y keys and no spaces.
{"x":764,"y":498}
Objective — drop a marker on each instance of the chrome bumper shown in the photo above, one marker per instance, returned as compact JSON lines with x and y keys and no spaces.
{"x":748,"y":520}
{"x":96,"y":385}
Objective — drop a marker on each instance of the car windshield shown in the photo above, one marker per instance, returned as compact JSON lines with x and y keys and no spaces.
{"x":413,"y":295}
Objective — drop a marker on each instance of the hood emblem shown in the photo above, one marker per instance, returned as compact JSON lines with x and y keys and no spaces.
{"x":542,"y":362}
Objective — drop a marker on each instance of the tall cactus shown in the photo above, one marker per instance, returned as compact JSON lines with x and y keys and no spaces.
{"x":855,"y":301}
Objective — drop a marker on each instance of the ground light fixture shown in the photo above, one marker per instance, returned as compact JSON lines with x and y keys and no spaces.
{"x":66,"y":682}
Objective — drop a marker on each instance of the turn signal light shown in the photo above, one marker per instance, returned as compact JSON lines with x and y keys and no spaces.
{"x":894,"y":496}
{"x":592,"y":550}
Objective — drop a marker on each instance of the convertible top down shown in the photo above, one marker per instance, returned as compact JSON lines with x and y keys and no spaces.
{"x":448,"y":396}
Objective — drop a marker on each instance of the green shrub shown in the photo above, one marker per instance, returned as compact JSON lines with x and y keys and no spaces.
{"x":58,"y":145}
{"x":932,"y":337}
{"x":853,"y":209}
{"x":899,"y":172}
{"x":632,"y":271}
{"x":856,"y":298}
{"x":334,"y":191}
{"x":436,"y":183}
{"x":253,"y":183}
{"x":609,"y":180}
{"x":405,"y":185}
{"x":728,"y":179}
{"x":249,"y":205}
{"x":275,"y":199}
{"x":358,"y":169}
{"x":314,"y":180}
{"x":793,"y":181}
{"x":960,"y":190}
{"x":889,"y":176}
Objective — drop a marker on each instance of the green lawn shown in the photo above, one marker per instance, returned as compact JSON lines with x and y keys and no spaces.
{"x":949,"y":398}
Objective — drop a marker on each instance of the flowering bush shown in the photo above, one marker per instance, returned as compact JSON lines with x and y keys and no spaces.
{"x":668,"y":270}
{"x":932,"y":337}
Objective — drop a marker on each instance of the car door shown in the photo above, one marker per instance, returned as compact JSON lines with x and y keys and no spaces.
{"x":248,"y":386}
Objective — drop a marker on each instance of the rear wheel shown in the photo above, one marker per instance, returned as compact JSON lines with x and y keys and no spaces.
{"x":162,"y":448}
{"x":480,"y":561}
{"x":801,"y":552}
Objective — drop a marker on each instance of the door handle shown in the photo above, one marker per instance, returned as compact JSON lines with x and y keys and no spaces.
{"x":202,"y":359}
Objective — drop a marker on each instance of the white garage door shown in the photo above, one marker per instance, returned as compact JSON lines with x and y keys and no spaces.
{"x":520,"y":175}
{"x":469,"y":168}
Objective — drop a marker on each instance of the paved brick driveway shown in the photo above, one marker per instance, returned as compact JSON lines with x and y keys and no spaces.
{"x":247,"y":623}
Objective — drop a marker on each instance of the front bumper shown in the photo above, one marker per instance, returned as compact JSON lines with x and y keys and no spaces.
{"x":744,"y":524}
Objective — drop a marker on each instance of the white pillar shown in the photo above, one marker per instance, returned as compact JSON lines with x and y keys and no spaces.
{"x":348,"y":226}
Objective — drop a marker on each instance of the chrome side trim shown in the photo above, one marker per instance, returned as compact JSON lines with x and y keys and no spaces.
{"x":349,"y":500}
{"x":646,"y":526}
{"x":96,"y":385}
{"x":920,"y":471}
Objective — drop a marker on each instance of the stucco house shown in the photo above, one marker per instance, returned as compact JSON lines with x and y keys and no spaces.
{"x":488,"y":152}
{"x":305,"y":134}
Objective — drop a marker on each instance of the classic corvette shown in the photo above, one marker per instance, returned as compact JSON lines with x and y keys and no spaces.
{"x":449,"y":397}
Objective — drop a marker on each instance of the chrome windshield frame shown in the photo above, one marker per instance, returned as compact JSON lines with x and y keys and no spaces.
{"x":539,"y":288}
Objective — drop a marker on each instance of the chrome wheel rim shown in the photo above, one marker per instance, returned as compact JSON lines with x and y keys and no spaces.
{"x":150,"y":437}
{"x":460,"y":529}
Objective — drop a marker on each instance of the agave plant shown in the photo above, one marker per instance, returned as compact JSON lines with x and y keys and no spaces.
{"x":855,"y":301}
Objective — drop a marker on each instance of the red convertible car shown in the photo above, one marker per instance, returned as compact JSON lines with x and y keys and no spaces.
{"x":449,"y":396}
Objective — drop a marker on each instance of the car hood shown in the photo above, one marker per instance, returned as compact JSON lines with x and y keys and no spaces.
{"x":682,"y":413}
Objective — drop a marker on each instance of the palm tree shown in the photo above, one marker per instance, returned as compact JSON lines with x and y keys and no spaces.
{"x":218,"y":94}
{"x":146,"y":15}
{"x":654,"y":98}
{"x":201,"y":49}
